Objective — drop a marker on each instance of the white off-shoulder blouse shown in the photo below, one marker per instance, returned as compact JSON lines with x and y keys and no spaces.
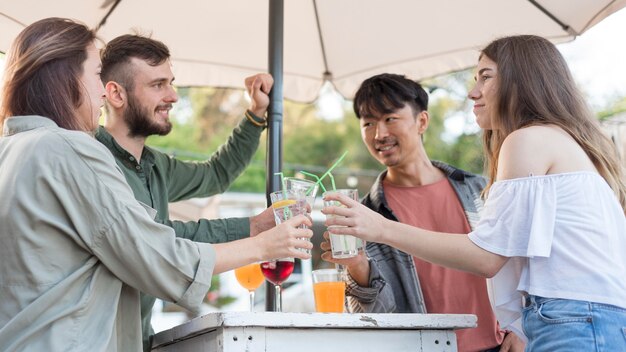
{"x":565,"y":234}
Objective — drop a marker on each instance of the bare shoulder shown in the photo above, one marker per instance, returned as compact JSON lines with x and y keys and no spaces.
{"x":535,"y":133}
{"x":528,"y":151}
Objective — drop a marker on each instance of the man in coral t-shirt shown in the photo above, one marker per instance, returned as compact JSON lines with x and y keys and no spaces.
{"x":392,"y":112}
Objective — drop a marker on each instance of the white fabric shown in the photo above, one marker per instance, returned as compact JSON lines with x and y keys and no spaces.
{"x":219,"y":43}
{"x":565,"y":234}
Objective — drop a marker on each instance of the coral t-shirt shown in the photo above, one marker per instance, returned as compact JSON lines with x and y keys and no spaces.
{"x":436,"y":207}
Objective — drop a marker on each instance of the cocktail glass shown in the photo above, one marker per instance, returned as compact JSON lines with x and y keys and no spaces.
{"x":250,"y":277}
{"x":276,"y":272}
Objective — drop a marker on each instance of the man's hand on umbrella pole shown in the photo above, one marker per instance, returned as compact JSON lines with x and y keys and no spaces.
{"x":258,"y":87}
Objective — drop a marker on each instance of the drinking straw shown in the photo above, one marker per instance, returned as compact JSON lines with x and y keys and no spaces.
{"x":340,"y":268}
{"x":316,"y":178}
{"x":284,"y":191}
{"x":282,"y":180}
{"x":332,"y":181}
{"x":333,"y":166}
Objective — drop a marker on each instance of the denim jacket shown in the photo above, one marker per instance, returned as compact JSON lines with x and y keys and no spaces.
{"x":393,"y":283}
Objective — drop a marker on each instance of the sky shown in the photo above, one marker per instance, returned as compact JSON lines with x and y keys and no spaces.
{"x":597,"y":60}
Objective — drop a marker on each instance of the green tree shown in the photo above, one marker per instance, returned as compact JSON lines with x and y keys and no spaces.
{"x":613,"y":108}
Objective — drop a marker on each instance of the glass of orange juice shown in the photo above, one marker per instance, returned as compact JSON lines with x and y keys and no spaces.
{"x":250,"y":277}
{"x":329,"y":290}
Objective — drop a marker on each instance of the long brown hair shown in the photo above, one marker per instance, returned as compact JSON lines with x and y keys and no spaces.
{"x":535,"y":87}
{"x":43,"y":71}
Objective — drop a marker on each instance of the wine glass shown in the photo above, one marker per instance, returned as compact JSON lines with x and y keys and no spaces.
{"x":276,"y":272}
{"x":250,"y":277}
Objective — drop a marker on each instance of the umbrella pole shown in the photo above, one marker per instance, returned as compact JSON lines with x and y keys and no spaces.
{"x":275,"y":116}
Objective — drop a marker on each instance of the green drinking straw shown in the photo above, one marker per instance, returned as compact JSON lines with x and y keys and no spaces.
{"x":332,"y":167}
{"x":284,"y":190}
{"x":316,"y":178}
{"x":282,"y":181}
{"x":332,"y":181}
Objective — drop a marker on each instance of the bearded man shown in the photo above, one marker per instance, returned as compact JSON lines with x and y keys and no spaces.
{"x":138,"y":79}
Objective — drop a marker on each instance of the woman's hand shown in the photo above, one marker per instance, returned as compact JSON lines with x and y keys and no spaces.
{"x":360,"y":220}
{"x":512,"y":343}
{"x":283,"y":240}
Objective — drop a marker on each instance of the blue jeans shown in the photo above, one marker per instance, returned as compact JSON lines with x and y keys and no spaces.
{"x":553,"y":324}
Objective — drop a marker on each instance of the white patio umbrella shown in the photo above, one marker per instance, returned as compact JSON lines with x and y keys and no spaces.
{"x":220,"y":42}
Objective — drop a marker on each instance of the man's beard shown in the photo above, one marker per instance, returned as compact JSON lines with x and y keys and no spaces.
{"x":139,"y":123}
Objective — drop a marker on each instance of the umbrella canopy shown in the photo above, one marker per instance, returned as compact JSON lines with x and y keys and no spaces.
{"x":219,"y":43}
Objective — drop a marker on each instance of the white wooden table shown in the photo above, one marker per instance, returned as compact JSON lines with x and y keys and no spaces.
{"x":314,"y":332}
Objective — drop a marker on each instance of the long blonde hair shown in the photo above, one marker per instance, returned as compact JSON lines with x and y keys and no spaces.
{"x":535,"y":87}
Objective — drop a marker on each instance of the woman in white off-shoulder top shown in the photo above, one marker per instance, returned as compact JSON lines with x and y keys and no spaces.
{"x":552,"y":234}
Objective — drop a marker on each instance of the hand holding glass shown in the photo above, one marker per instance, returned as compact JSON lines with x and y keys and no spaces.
{"x":343,"y":246}
{"x":288,"y":204}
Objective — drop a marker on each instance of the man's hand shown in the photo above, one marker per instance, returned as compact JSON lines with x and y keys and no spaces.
{"x":512,"y":343}
{"x":358,"y":267}
{"x":258,"y":87}
{"x":262,"y":222}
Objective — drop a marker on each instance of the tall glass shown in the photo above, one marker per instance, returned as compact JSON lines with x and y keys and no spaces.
{"x":309,"y":188}
{"x":286,"y":205}
{"x":276,"y":272}
{"x":329,"y":290}
{"x":250,"y":277}
{"x":343,"y":246}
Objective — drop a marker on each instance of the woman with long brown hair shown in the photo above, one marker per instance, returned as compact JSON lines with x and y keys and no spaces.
{"x":77,"y":248}
{"x":552,"y":233}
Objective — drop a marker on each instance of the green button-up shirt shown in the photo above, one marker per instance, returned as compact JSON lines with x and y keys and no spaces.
{"x":76,"y":248}
{"x":159,"y":179}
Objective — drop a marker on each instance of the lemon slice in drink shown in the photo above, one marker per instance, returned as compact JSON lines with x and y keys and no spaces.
{"x":283,"y":203}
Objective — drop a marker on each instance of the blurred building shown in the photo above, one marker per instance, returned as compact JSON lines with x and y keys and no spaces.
{"x":616,"y":129}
